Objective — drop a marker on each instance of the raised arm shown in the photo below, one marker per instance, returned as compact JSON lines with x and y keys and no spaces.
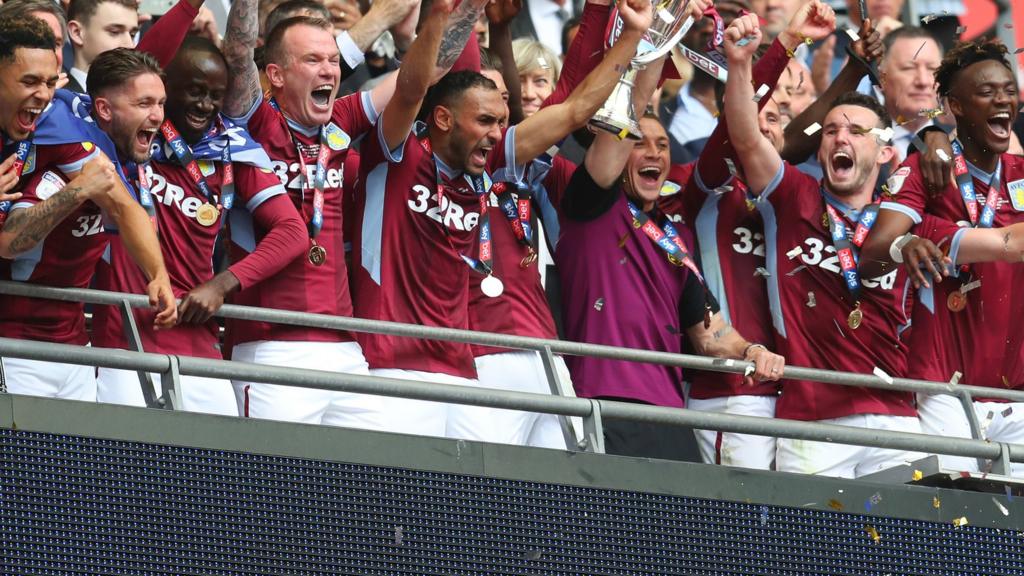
{"x":799,"y":146}
{"x":585,"y":52}
{"x":758,"y":158}
{"x":414,"y":77}
{"x":165,"y":37}
{"x":239,"y":44}
{"x":499,"y":17}
{"x":549,"y":125}
{"x":383,"y":15}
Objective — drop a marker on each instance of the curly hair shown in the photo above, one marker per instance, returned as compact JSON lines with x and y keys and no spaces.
{"x":963,"y":55}
{"x":23,"y":33}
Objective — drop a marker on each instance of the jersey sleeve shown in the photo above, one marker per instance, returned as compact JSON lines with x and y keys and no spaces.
{"x":585,"y":52}
{"x":39,"y":187}
{"x":906,"y":190}
{"x":584,"y":200}
{"x":257,"y":115}
{"x":557,"y":179}
{"x":68,"y":158}
{"x":255,"y":185}
{"x":355,"y":114}
{"x":285,"y":240}
{"x":168,"y":32}
{"x":789,"y":190}
{"x":502,"y":159}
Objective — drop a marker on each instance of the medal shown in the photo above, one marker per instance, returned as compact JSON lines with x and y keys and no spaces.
{"x":825,"y":221}
{"x":207,"y":214}
{"x":674,"y":260}
{"x":855,"y":318}
{"x":528,"y":259}
{"x":317,"y":254}
{"x":491,"y":286}
{"x":956,"y":301}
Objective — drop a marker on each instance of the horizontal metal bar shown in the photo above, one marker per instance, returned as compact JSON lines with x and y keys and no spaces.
{"x":689,"y":361}
{"x":543,"y":403}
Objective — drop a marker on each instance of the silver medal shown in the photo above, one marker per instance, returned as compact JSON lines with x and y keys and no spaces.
{"x":492,"y":286}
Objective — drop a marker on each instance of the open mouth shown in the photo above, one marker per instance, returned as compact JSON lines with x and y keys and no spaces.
{"x":322,"y":95}
{"x":27,"y":118}
{"x":842,"y":164}
{"x":999,"y":125}
{"x":649,"y":175}
{"x":479,"y":156}
{"x":144,"y":137}
{"x":197,"y":121}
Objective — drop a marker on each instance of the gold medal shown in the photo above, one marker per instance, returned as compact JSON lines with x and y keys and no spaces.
{"x":957,"y":301}
{"x":637,"y":224}
{"x":317,"y":254}
{"x":674,"y":260}
{"x":855,"y":318}
{"x":207,"y":215}
{"x":750,"y":205}
{"x":825,"y":221}
{"x":528,"y":259}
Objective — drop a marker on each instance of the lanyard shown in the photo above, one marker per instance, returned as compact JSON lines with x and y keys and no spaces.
{"x":183,"y":152}
{"x":847,"y":248}
{"x":20,"y":159}
{"x":484,"y":263}
{"x":316,"y":222}
{"x":518,"y":211}
{"x":965,"y":183}
{"x":143,"y":186}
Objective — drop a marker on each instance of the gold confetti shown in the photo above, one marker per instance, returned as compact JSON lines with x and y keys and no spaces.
{"x":835,"y":505}
{"x":936,"y":503}
{"x":918,"y":475}
{"x":873,"y":533}
{"x":961,"y":521}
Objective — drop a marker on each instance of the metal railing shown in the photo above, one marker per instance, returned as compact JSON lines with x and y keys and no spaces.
{"x":592,"y":411}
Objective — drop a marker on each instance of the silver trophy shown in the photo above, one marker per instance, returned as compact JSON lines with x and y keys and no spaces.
{"x":671,"y":23}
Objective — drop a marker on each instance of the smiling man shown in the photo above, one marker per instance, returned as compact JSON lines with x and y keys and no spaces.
{"x":907,"y":73}
{"x":823,"y":313}
{"x":968,"y":324}
{"x":95,"y":26}
{"x":203,"y":168}
{"x":54,"y":232}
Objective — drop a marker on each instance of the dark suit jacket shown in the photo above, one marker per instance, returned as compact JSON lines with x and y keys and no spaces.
{"x":73,"y":84}
{"x":522,"y":24}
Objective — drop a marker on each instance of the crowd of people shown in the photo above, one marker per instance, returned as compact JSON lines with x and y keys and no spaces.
{"x":797,"y":189}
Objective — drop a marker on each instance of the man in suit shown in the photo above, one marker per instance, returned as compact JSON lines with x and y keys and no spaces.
{"x":543,"y":20}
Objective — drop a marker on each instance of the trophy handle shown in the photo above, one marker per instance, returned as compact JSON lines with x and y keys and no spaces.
{"x":648,"y":57}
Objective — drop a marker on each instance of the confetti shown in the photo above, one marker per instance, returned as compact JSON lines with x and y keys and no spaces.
{"x":835,"y":505}
{"x":623,"y":260}
{"x":622,"y":241}
{"x":745,"y":40}
{"x":731,"y":165}
{"x":960,"y":30}
{"x":919,"y":48}
{"x":1018,"y":50}
{"x":838,"y":327}
{"x":872,"y":501}
{"x":812,"y":129}
{"x":762,"y":272}
{"x":884,"y":134}
{"x":956,"y":378}
{"x":929,"y":18}
{"x":853,"y":34}
{"x":961,"y":521}
{"x":797,"y":269}
{"x":942,"y":155}
{"x":542,"y":62}
{"x":399,"y":535}
{"x":668,"y":18}
{"x":918,"y":475}
{"x":987,"y":423}
{"x":930,"y":113}
{"x":764,"y":515}
{"x":795,"y":252}
{"x":1000,"y":506}
{"x":599,"y":304}
{"x":749,"y":370}
{"x":970,"y":286}
{"x":761,"y":91}
{"x":1006,"y":413}
{"x":810,"y":300}
{"x":936,"y":503}
{"x":873,"y":533}
{"x":1006,"y":383}
{"x":881,"y":374}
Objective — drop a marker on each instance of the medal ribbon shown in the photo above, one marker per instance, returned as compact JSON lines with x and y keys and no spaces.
{"x":20,"y":159}
{"x":183,"y":152}
{"x":518,"y":211}
{"x":482,"y":264}
{"x":316,"y":222}
{"x":142,"y":185}
{"x":965,"y":183}
{"x":847,"y":248}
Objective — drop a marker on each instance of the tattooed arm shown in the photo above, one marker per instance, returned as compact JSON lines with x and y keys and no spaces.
{"x":719,"y":340}
{"x":456,"y":34}
{"x":383,"y":14}
{"x":27,"y":227}
{"x":239,"y":43}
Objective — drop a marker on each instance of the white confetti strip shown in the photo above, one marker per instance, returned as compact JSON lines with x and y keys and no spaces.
{"x":1000,"y":506}
{"x":884,"y":134}
{"x":853,"y":34}
{"x":970,"y":286}
{"x":797,"y":269}
{"x":731,"y":165}
{"x":542,"y":62}
{"x":811,"y":303}
{"x":812,"y":129}
{"x":761,"y":91}
{"x":762,"y":272}
{"x":881,"y":374}
{"x":794,"y":252}
{"x":942,"y":155}
{"x":956,"y":378}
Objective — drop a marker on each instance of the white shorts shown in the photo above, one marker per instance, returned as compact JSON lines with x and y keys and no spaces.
{"x":844,"y":460}
{"x":729,"y":448}
{"x":198,"y":394}
{"x":425,"y":418}
{"x":521,"y":371}
{"x":308,"y":405}
{"x":943,"y":415}
{"x":49,"y":379}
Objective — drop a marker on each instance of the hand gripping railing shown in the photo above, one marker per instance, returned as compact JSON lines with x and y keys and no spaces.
{"x":591,"y":410}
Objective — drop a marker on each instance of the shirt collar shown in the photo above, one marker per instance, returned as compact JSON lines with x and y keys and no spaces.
{"x":79,"y":75}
